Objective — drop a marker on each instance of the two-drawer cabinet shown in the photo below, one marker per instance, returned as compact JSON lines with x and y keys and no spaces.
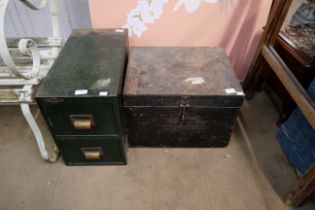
{"x":81,"y":98}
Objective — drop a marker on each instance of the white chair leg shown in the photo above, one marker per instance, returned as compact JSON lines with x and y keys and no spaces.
{"x":38,"y":135}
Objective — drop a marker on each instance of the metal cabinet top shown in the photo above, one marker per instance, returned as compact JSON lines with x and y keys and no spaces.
{"x":91,"y":63}
{"x":190,"y":71}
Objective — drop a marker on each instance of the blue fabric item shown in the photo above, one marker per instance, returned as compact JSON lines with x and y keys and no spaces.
{"x":297,"y":138}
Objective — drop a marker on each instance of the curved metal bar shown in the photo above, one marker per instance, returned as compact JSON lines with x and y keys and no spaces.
{"x":28,"y":46}
{"x":55,"y":18}
{"x":4,"y":51}
{"x":40,"y":6}
{"x":24,"y":44}
{"x":52,"y":157}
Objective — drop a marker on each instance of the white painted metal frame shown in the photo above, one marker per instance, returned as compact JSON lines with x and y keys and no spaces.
{"x":28,"y":76}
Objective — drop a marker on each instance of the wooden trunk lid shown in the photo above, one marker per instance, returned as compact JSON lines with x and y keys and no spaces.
{"x":173,"y":76}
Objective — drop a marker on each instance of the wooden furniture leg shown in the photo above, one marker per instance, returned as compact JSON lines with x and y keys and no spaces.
{"x":302,"y":190}
{"x":276,"y":17}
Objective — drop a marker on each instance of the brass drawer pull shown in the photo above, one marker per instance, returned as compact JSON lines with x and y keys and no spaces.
{"x":82,"y":121}
{"x":94,"y":153}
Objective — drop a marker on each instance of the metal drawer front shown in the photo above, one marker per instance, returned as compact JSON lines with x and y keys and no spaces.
{"x":82,"y":118}
{"x":91,"y":151}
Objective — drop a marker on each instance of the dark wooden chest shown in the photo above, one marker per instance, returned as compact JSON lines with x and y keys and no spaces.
{"x":180,"y":97}
{"x":81,"y":97}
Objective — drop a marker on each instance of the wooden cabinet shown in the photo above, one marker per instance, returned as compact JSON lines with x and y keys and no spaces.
{"x":301,"y":65}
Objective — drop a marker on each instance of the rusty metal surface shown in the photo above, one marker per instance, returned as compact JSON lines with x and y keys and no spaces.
{"x":193,"y":71}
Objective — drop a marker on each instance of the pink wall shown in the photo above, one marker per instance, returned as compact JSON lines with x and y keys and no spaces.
{"x":237,"y":27}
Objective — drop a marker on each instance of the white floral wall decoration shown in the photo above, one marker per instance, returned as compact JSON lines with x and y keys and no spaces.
{"x":192,"y":5}
{"x":149,"y":11}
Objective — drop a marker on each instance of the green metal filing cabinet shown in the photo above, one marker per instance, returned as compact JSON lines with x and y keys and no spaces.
{"x":81,"y":97}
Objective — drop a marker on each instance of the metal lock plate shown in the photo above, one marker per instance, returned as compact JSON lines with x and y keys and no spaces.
{"x":184,"y":102}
